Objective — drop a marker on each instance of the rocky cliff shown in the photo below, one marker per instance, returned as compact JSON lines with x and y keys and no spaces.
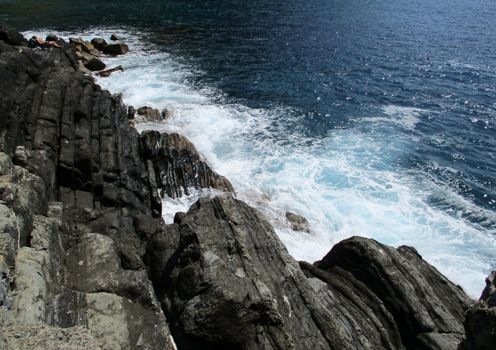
{"x":86,"y":260}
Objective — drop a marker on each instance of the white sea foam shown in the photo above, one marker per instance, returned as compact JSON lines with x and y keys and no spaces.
{"x":404,"y":117}
{"x":345,"y":184}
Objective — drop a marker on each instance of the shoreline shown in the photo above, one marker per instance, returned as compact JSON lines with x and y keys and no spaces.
{"x":456,"y":264}
{"x":210,"y":279}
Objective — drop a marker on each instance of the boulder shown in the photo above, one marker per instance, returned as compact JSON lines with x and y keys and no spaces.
{"x":298,"y":222}
{"x":83,"y":45}
{"x":227,"y":282}
{"x":52,"y":37}
{"x":149,"y":114}
{"x":426,"y":306}
{"x":114,"y":37}
{"x":115,"y":49}
{"x":99,"y":43}
{"x":95,"y":64}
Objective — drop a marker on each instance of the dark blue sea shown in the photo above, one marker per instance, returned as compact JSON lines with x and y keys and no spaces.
{"x":374,"y":118}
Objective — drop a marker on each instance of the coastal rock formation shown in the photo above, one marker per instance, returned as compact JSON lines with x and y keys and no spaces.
{"x":225,"y":281}
{"x":73,"y":184}
{"x":149,"y":114}
{"x":177,"y":166}
{"x":428,"y":309}
{"x":86,"y":260}
{"x":298,"y":222}
{"x":480,"y":321}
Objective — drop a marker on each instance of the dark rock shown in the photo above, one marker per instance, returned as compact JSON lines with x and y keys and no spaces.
{"x":228,"y":283}
{"x":81,"y":224}
{"x":114,"y":37}
{"x":115,"y":49}
{"x":165,"y":114}
{"x":176,"y":165}
{"x":426,"y":306}
{"x":52,"y":37}
{"x":79,"y":265}
{"x":95,"y":64}
{"x":84,"y":46}
{"x":149,"y":114}
{"x":12,"y":37}
{"x":488,"y":295}
{"x":480,"y":320}
{"x":131,"y":112}
{"x":20,"y":156}
{"x":178,"y":217}
{"x":108,"y":72}
{"x":99,"y":43}
{"x":298,"y":222}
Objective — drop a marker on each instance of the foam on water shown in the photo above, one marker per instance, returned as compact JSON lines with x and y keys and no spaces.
{"x":345,"y":184}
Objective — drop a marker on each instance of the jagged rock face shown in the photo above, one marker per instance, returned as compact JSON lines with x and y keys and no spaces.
{"x":225,"y":281}
{"x":72,"y":185}
{"x":177,"y":165}
{"x":428,"y":308}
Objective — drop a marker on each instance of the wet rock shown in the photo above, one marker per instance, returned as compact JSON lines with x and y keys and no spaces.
{"x":52,"y":37}
{"x":81,"y":223}
{"x":165,"y":113}
{"x":114,"y":37}
{"x":131,"y":112}
{"x":149,"y":114}
{"x":298,"y":222}
{"x":95,"y":64}
{"x":488,"y":295}
{"x":84,"y":46}
{"x":108,"y":72}
{"x":115,"y":49}
{"x":99,"y":43}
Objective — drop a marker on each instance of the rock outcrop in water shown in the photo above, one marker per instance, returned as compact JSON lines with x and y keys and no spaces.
{"x":86,"y":260}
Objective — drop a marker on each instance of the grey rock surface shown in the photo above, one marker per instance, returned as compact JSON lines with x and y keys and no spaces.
{"x":226,"y":281}
{"x":72,"y":182}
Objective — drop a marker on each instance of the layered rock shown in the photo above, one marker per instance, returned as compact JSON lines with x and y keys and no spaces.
{"x":176,"y":165}
{"x":226,"y":282}
{"x":428,"y":309}
{"x":73,"y":184}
